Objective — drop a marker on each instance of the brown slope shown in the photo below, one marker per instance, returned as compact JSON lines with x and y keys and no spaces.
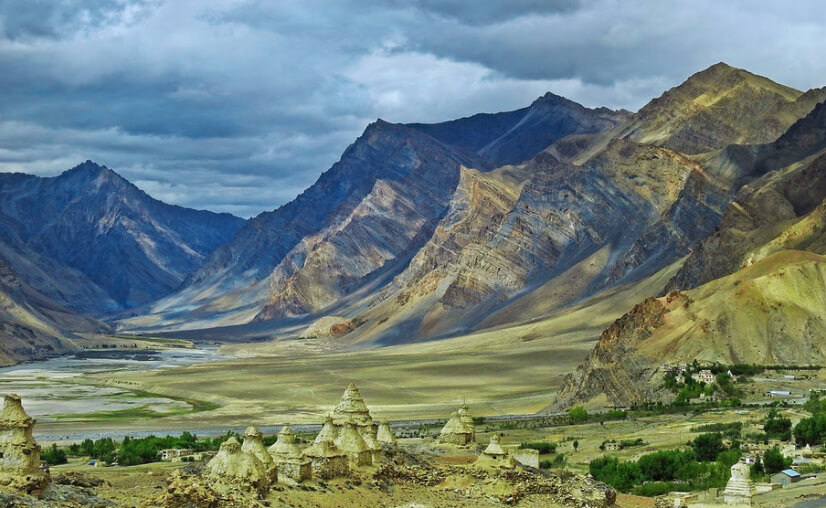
{"x":769,"y":313}
{"x":719,"y":106}
{"x":516,"y":228}
{"x":31,"y":326}
{"x":762,"y":299}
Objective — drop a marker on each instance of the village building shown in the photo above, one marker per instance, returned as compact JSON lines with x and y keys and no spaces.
{"x":457,"y":432}
{"x":326,"y":460}
{"x":254,"y":445}
{"x":786,"y":477}
{"x":778,"y":393}
{"x":385,"y":434}
{"x":291,"y":465}
{"x":612,"y":446}
{"x":739,"y":489}
{"x":175,"y":454}
{"x":704,"y":376}
{"x":19,"y":452}
{"x":231,"y":463}
{"x":354,"y":446}
{"x":525,"y":456}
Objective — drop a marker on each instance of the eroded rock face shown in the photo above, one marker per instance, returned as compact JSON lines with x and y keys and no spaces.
{"x":763,"y":209}
{"x":365,"y":217}
{"x":613,"y":368}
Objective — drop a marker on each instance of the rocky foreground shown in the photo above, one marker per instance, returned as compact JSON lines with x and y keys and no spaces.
{"x":406,"y":481}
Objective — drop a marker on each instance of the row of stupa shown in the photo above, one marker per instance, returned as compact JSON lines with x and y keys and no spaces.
{"x":349,"y":439}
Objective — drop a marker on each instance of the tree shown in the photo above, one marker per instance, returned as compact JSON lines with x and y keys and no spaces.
{"x":53,"y":455}
{"x":577,"y":415}
{"x":708,"y":446}
{"x":777,"y":427}
{"x":576,"y":445}
{"x":774,"y":461}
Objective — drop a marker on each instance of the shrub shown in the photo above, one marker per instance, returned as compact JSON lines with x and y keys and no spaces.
{"x":541,"y":447}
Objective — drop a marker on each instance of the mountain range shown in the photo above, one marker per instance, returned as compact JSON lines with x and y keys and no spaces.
{"x":423,"y":231}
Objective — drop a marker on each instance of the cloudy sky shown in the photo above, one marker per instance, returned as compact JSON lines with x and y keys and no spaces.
{"x":238,"y":105}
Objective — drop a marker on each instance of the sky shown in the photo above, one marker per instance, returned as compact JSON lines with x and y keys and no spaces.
{"x":238,"y":105}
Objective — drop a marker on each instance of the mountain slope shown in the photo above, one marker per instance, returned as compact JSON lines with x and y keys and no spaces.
{"x":31,"y":326}
{"x":759,"y":285}
{"x":591,"y":212}
{"x":363,"y":220}
{"x":717,"y":107}
{"x":95,"y":243}
{"x":416,"y":234}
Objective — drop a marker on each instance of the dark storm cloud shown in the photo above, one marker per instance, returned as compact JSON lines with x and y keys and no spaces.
{"x":54,"y":19}
{"x":239,"y":105}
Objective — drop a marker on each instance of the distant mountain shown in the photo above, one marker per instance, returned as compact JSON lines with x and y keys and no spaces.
{"x":424,"y":231}
{"x":363,"y":220}
{"x":516,"y":136}
{"x":753,"y":291}
{"x":92,"y":242}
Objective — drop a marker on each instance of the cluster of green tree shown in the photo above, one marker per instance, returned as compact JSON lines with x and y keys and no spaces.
{"x":726,"y":385}
{"x":625,"y":443}
{"x":692,"y":390}
{"x":579,"y":414}
{"x":664,"y":471}
{"x":738,"y":369}
{"x":53,"y":455}
{"x":812,"y":430}
{"x":705,"y":464}
{"x":541,"y":447}
{"x":815,"y":404}
{"x":143,"y":450}
{"x":777,"y":427}
{"x":773,"y":462}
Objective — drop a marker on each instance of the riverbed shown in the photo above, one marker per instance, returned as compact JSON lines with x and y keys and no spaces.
{"x":60,"y":390}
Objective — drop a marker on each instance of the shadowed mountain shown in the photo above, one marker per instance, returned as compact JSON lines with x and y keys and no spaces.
{"x":516,"y":136}
{"x":363,"y":220}
{"x":92,"y":242}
